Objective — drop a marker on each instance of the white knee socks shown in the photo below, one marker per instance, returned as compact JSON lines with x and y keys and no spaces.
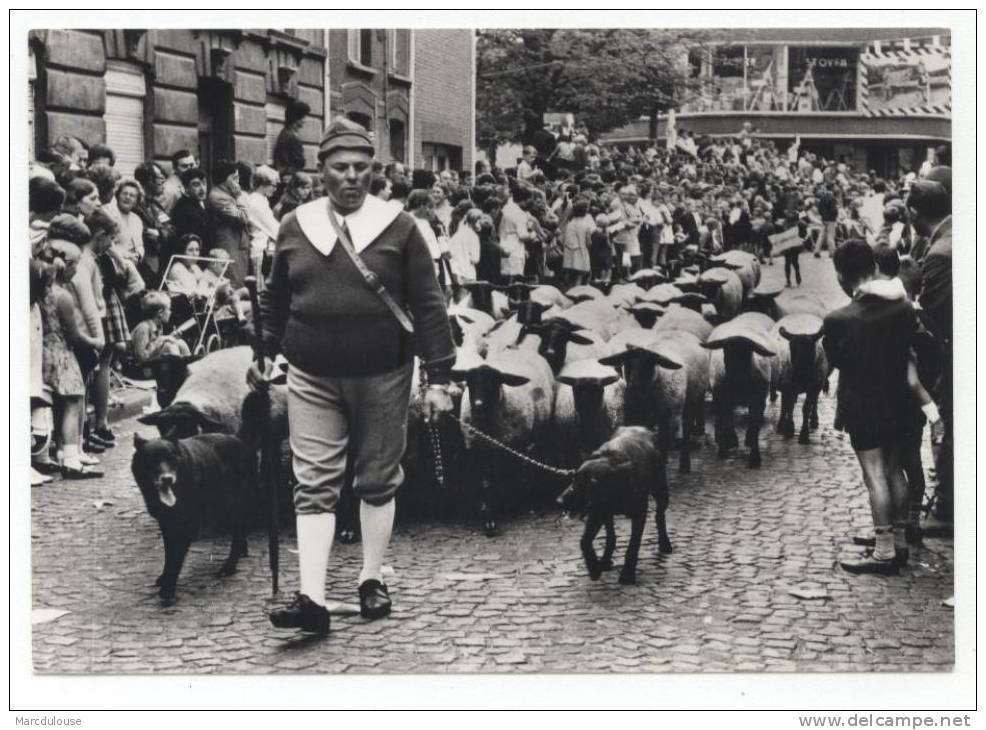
{"x":315,"y":533}
{"x":377,"y":524}
{"x":884,"y":549}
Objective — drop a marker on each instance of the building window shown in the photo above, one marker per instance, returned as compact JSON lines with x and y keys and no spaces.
{"x":361,"y":46}
{"x":397,"y":141}
{"x":275,"y":123}
{"x":215,"y":123}
{"x":361,"y":119}
{"x":125,"y":92}
{"x":399,"y":42}
{"x":438,"y":157}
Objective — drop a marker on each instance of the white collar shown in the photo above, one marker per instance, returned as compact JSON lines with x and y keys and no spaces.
{"x":364,"y":225}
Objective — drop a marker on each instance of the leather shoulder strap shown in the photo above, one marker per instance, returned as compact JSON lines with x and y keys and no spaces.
{"x":371,"y":279}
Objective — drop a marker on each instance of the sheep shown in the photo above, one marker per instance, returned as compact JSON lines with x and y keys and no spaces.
{"x":746,"y":266}
{"x":656,"y":390}
{"x":662,"y":294}
{"x":762,"y":299}
{"x":682,"y":318}
{"x":619,"y":478}
{"x":647,"y":313}
{"x":547,"y":294}
{"x":599,"y":316}
{"x":740,"y":374}
{"x":563,"y":342}
{"x":648,"y":278}
{"x":509,"y":332}
{"x":724,"y":289}
{"x":622,"y":294}
{"x":801,"y":367}
{"x":800,"y":302}
{"x":637,"y":336}
{"x":484,"y":297}
{"x":584,"y":292}
{"x":209,"y":396}
{"x":509,"y":396}
{"x":588,"y":409}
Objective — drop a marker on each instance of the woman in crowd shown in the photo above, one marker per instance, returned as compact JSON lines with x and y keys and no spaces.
{"x":577,"y":242}
{"x":419,"y":205}
{"x":81,"y":198}
{"x":464,"y":246}
{"x":263,"y":224}
{"x":130,"y":238}
{"x":185,"y":275}
{"x":298,"y":191}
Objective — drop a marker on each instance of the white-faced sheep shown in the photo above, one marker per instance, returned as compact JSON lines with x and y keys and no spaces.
{"x":588,"y":409}
{"x":801,"y":367}
{"x":741,"y":375}
{"x":509,"y":396}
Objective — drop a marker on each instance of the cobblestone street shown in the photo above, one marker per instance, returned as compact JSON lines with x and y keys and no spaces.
{"x":521,"y":602}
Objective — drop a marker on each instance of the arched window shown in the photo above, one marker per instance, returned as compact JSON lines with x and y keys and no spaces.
{"x":362,"y":119}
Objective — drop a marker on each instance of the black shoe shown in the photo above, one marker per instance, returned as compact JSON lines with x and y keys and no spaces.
{"x":374,"y":600}
{"x":914,"y":535}
{"x":870,"y":565}
{"x":93,"y":446}
{"x":864,"y":541}
{"x":86,"y":472}
{"x":302,"y":613}
{"x":105,"y":434}
{"x":47,"y":467}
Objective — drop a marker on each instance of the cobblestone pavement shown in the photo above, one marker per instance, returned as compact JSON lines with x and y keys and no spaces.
{"x":522,"y":601}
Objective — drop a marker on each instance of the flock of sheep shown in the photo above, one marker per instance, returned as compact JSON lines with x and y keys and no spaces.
{"x":554,"y":375}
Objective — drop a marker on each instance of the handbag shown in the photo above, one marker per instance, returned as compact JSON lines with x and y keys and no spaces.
{"x":371,"y":279}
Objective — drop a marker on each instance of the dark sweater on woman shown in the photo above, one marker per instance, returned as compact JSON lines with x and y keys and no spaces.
{"x":320,"y":313}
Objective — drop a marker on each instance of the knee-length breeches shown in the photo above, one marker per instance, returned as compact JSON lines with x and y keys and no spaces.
{"x":362,"y":417}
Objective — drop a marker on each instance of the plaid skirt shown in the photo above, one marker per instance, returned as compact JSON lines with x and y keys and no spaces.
{"x":115,"y":320}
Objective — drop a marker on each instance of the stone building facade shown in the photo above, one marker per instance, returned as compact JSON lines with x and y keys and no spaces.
{"x":222,"y":93}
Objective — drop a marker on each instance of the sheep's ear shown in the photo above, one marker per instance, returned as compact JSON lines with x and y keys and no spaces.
{"x":666,"y":362}
{"x":784,"y":333}
{"x":716,"y":345}
{"x":513,"y":303}
{"x":512,"y":379}
{"x":567,"y":380}
{"x":541,"y":306}
{"x":577,"y":339}
{"x":608,"y":380}
{"x":614,"y":360}
{"x":464,"y":317}
{"x":139,"y":441}
{"x":458,"y":336}
{"x":507,"y":311}
{"x":727,"y":265}
{"x":207,"y":424}
{"x":150,"y":419}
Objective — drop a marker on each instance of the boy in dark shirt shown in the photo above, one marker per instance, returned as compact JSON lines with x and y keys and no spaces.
{"x":869,"y":341}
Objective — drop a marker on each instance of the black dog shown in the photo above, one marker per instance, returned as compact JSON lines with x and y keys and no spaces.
{"x":618,"y":479}
{"x":188,"y":483}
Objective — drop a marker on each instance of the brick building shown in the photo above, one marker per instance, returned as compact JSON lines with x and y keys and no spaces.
{"x":223,"y":93}
{"x":413,"y":88}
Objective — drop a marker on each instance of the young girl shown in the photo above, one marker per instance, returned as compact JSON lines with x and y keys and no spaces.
{"x":60,"y":368}
{"x":149,"y":338}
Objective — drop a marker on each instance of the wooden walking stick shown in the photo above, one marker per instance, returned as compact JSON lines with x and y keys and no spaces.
{"x":268,"y":458}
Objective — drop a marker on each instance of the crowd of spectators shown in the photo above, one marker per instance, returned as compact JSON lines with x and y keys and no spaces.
{"x":571,"y":211}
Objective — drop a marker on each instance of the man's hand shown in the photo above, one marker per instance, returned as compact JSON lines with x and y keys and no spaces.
{"x":259,"y":380}
{"x":437,"y":403}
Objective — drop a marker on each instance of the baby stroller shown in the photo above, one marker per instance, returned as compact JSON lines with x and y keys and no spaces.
{"x":204,"y":322}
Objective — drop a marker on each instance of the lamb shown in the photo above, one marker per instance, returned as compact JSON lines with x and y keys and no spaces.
{"x":801,"y":367}
{"x":588,"y":409}
{"x":741,"y":375}
{"x":509,"y":396}
{"x":619,"y":478}
{"x":724,"y":289}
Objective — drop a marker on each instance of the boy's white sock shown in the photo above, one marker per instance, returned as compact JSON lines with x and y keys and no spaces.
{"x":315,"y":534}
{"x":377,"y":524}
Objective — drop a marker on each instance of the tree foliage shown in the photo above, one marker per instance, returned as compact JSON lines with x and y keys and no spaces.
{"x":606,"y":77}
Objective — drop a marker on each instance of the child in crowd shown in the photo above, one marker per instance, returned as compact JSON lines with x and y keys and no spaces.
{"x":149,"y":338}
{"x":60,"y":368}
{"x":601,"y":253}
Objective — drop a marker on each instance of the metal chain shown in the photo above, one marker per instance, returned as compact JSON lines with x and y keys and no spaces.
{"x":436,"y":450}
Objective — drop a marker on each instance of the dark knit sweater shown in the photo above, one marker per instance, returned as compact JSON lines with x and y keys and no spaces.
{"x":319,"y":312}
